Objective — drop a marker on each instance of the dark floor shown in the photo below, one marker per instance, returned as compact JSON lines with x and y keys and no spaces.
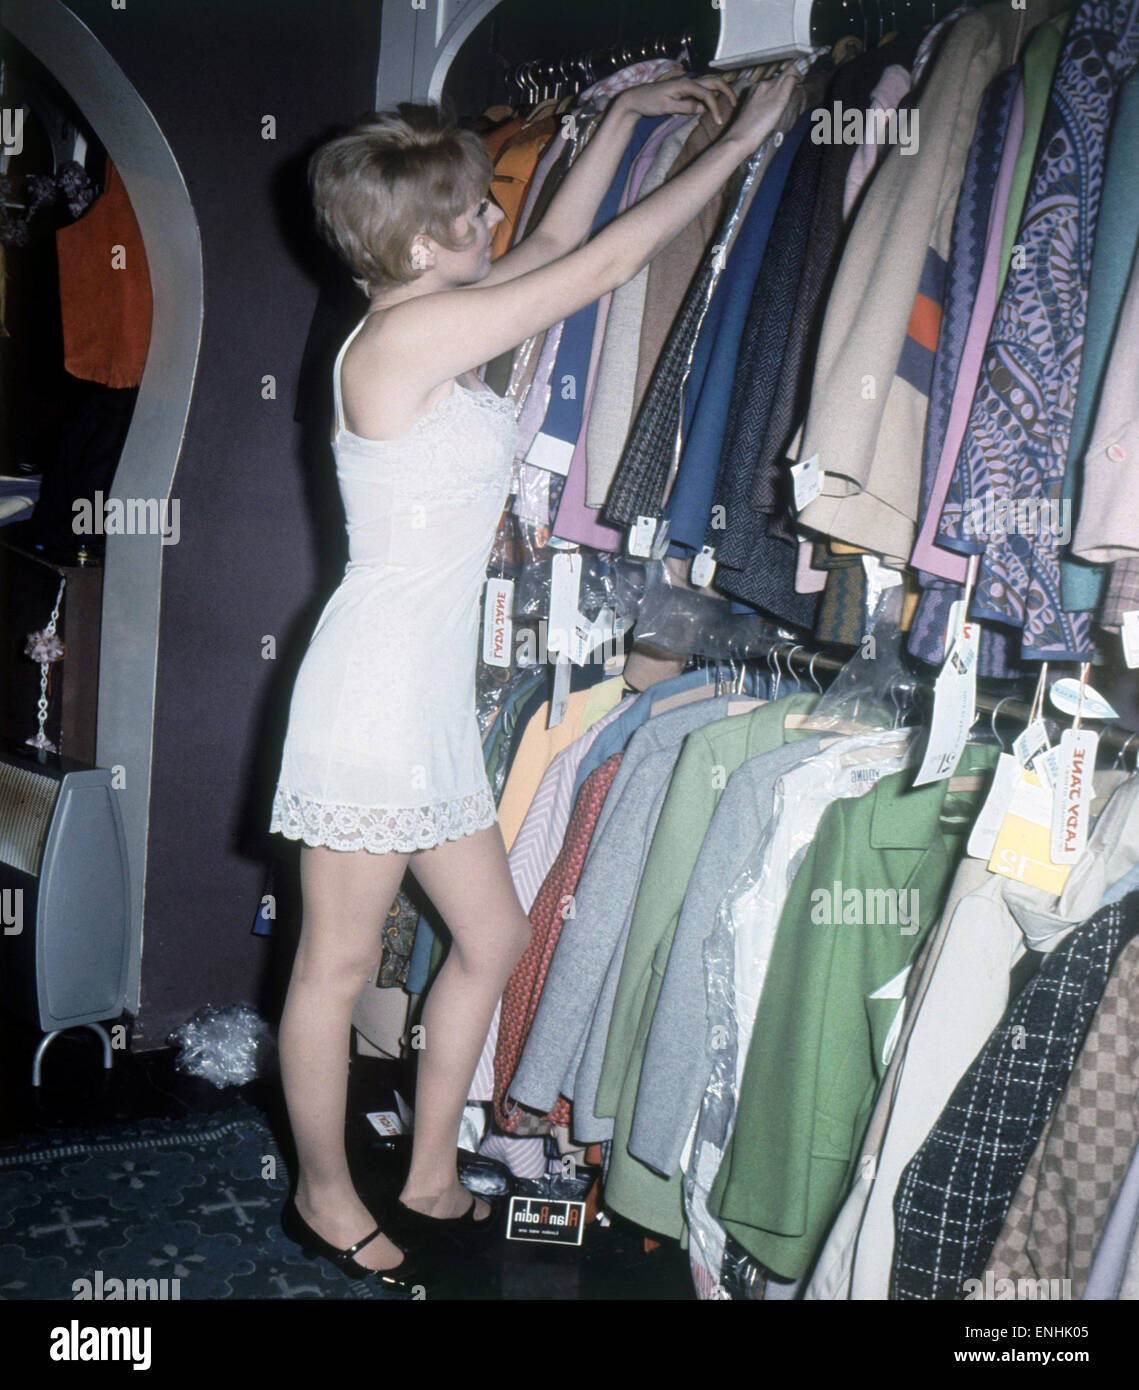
{"x":612,"y":1262}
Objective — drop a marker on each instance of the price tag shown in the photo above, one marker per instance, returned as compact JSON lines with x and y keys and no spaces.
{"x":807,"y":481}
{"x":1023,"y":849}
{"x":565,"y":581}
{"x":641,"y":536}
{"x":550,"y":452}
{"x":580,"y":643}
{"x":954,"y":708}
{"x":963,"y":656}
{"x":660,"y":543}
{"x":895,"y":989}
{"x":986,"y":827}
{"x":1065,"y":696}
{"x":604,"y":627}
{"x":1129,"y":633}
{"x":1072,"y":798}
{"x":703,"y":567}
{"x":585,"y":636}
{"x":497,"y":621}
{"x":953,"y":626}
{"x":1047,"y":767}
{"x":1030,"y":744}
{"x":559,"y":700}
{"x":879,"y":578}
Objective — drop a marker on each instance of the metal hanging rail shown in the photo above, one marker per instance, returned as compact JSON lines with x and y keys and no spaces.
{"x":805,"y":659}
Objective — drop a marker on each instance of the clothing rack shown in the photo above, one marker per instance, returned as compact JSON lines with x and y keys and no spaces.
{"x":552,"y":78}
{"x":828,"y":21}
{"x":872,"y":20}
{"x":804,"y":659}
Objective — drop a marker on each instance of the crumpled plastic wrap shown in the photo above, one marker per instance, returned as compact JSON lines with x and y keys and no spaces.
{"x":485,"y":1177}
{"x":557,"y":1187}
{"x":226,"y":1046}
{"x":741,"y":1277}
{"x":673,"y":617}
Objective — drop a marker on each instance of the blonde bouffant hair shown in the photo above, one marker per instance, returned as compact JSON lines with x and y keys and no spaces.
{"x":395,"y":175}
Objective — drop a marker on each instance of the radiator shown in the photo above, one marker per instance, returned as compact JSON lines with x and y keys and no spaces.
{"x":64,"y":891}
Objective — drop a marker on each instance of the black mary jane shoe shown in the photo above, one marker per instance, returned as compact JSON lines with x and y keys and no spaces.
{"x":415,"y":1230}
{"x":401,"y":1280}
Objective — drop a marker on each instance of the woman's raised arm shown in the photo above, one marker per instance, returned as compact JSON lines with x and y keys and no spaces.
{"x":569,"y":217}
{"x":433,"y":338}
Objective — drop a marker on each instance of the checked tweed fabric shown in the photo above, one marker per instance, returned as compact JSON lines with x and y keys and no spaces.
{"x":547,"y":917}
{"x":1122,"y":593}
{"x":1070,"y":1187}
{"x":955,"y":1193}
{"x":638,"y":485}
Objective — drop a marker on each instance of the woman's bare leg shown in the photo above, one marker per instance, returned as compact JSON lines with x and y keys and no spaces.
{"x":469,"y":882}
{"x":346,"y":899}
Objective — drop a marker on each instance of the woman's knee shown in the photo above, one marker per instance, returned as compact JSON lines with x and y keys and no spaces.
{"x":483,"y":952}
{"x":338,"y":973}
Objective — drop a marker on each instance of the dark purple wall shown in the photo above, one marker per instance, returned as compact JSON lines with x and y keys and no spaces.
{"x":261,"y":532}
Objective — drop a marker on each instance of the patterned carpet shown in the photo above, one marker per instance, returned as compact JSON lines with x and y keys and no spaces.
{"x":196,"y":1199}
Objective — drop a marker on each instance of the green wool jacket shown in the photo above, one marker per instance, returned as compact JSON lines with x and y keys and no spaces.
{"x":815,"y":1060}
{"x":709,"y":756}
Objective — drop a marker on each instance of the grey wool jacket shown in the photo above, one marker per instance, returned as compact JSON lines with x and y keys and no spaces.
{"x":675,"y":1070}
{"x":590,"y":946}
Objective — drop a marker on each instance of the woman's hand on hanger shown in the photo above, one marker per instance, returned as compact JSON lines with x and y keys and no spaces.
{"x":678,"y":96}
{"x":443,"y":334}
{"x":569,"y":217}
{"x":758,"y":113}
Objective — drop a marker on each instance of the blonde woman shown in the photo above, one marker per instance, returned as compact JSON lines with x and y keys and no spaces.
{"x":382,"y":766}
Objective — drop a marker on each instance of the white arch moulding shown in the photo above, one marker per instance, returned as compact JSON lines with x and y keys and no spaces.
{"x":432,"y":32}
{"x":132,"y":579}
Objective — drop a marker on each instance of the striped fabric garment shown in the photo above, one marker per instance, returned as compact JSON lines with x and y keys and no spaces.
{"x":533,"y":852}
{"x":550,"y":910}
{"x":915,"y":364}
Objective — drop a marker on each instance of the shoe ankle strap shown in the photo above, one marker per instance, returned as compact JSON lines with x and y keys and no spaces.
{"x":353,"y":1249}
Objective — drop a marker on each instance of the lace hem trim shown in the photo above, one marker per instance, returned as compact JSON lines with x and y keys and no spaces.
{"x":381,"y":830}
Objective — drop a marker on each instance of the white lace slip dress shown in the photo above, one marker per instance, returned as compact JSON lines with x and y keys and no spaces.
{"x":382,"y":750}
